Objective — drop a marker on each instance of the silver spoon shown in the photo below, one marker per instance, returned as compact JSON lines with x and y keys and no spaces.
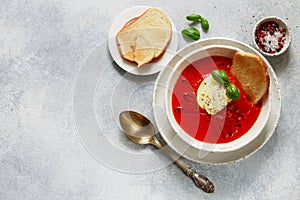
{"x":141,"y":131}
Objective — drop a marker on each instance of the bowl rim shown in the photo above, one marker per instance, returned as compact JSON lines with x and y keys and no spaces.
{"x":238,"y":143}
{"x":282,"y":22}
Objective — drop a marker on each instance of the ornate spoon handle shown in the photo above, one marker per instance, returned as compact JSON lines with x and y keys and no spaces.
{"x":200,"y":180}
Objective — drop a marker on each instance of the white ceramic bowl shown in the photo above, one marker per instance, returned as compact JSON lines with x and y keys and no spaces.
{"x":254,"y":131}
{"x":282,"y":24}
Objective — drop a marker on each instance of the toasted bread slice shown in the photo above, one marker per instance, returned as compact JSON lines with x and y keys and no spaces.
{"x":148,"y":33}
{"x":142,"y":54}
{"x":251,"y":73}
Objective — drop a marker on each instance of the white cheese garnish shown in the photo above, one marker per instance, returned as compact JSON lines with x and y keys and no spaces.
{"x":211,"y":96}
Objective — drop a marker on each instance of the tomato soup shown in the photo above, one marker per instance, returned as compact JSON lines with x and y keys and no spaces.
{"x":225,"y":126}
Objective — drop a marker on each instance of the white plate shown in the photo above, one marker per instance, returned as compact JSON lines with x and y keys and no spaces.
{"x":190,"y":152}
{"x":130,"y":67}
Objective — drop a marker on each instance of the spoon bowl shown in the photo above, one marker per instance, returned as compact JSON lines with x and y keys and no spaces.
{"x":137,"y":127}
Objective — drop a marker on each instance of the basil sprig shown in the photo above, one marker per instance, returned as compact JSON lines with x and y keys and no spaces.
{"x":193,"y":33}
{"x":221,"y":77}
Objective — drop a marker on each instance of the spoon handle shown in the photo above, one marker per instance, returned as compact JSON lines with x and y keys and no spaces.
{"x":200,"y":180}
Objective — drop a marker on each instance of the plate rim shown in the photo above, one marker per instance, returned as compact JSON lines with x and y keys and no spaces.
{"x":266,"y":133}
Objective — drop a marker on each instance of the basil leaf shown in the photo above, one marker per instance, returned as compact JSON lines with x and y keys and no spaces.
{"x":232,"y":91}
{"x":204,"y":23}
{"x":191,"y":33}
{"x":220,"y":76}
{"x":193,"y":17}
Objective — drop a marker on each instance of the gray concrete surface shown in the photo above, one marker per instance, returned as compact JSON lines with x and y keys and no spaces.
{"x":43,"y":46}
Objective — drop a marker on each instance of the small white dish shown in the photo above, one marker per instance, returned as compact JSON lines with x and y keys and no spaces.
{"x":283,"y":25}
{"x":130,"y":67}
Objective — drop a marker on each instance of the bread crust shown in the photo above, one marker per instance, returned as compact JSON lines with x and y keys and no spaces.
{"x":129,"y":54}
{"x":251,"y":72}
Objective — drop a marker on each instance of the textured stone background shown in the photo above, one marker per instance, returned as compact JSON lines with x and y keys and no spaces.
{"x":44,"y":43}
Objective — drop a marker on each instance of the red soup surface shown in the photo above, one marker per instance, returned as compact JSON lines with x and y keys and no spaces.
{"x":227,"y":125}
